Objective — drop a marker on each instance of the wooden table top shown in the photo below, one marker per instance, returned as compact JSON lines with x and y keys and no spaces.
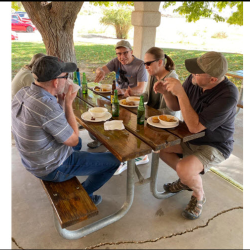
{"x":157,"y":141}
{"x":114,"y":140}
{"x":236,"y":74}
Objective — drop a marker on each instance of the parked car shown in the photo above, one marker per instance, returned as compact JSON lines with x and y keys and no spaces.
{"x":23,"y":15}
{"x":14,"y":35}
{"x":17,"y":25}
{"x":17,"y":17}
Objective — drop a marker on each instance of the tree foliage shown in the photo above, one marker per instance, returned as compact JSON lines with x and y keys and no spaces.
{"x":194,"y":10}
{"x":17,"y":6}
{"x":120,"y":19}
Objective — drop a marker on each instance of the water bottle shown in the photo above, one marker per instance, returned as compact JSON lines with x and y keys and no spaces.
{"x":84,"y":84}
{"x":141,"y":112}
{"x":78,"y":76}
{"x":115,"y":105}
{"x":75,"y":80}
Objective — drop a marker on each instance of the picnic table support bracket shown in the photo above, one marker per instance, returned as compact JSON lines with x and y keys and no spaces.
{"x":154,"y":173}
{"x":77,"y":234}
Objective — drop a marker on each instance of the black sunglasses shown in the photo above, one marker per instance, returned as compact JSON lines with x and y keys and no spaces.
{"x":149,"y":63}
{"x":66,"y":76}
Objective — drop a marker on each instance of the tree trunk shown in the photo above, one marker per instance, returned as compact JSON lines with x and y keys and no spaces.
{"x":55,"y":21}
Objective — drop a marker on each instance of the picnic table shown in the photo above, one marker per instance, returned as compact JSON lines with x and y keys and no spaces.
{"x":134,"y":141}
{"x":238,"y":74}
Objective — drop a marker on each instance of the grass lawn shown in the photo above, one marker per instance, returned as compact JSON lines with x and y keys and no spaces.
{"x":90,"y":56}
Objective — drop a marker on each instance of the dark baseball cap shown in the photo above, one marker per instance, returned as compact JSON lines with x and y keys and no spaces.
{"x":48,"y":68}
{"x":212,"y":63}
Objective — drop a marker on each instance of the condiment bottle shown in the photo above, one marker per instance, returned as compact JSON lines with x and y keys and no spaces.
{"x":115,"y":105}
{"x":141,"y":112}
{"x":84,"y":84}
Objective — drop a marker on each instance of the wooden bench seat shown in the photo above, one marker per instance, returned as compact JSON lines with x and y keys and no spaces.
{"x":70,"y":201}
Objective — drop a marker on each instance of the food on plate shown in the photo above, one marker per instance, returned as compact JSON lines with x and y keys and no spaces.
{"x":124,"y":102}
{"x":166,"y":119}
{"x":92,"y":118}
{"x":105,"y":89}
{"x":155,"y":119}
{"x":96,"y":88}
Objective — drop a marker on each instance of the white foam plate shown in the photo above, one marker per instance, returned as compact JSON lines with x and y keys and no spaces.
{"x":120,"y":101}
{"x":159,"y":125}
{"x":87,"y":117}
{"x":102,"y":92}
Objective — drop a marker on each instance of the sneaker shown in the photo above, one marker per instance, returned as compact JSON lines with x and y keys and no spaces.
{"x":175,"y":187}
{"x":122,"y":168}
{"x":194,"y":208}
{"x":97,"y":199}
{"x":141,"y":160}
{"x":94,"y":144}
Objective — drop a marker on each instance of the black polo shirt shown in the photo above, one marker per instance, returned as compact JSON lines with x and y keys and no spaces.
{"x":216,"y":109}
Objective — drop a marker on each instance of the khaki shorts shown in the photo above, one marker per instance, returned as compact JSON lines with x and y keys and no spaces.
{"x":209,"y":156}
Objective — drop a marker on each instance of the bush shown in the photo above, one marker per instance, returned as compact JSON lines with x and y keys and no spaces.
{"x":120,"y":19}
{"x":220,"y":35}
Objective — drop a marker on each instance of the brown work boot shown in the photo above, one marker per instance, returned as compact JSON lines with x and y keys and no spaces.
{"x":175,"y":187}
{"x":194,"y":208}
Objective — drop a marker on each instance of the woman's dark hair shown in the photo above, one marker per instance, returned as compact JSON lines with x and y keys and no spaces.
{"x":159,"y":54}
{"x":32,"y":61}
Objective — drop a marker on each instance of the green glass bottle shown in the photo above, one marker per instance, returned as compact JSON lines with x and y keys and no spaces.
{"x":141,"y":112}
{"x":112,"y":92}
{"x":115,"y":105}
{"x":84,"y":84}
{"x":75,"y":80}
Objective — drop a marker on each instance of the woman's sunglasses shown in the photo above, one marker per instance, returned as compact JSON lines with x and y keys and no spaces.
{"x":149,"y":63}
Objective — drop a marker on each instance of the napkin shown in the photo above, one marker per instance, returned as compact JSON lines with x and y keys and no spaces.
{"x":114,"y":125}
{"x":76,"y":87}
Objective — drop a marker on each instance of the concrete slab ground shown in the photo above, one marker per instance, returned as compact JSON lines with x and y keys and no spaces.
{"x":149,"y":224}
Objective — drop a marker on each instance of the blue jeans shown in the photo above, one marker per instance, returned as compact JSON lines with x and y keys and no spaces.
{"x":99,"y":167}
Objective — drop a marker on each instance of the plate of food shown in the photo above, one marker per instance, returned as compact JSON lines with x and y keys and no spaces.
{"x":103,"y":88}
{"x":87,"y":116}
{"x":129,"y":104}
{"x":163,"y":121}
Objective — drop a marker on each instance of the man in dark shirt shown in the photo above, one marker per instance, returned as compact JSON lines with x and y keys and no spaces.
{"x":207,"y":100}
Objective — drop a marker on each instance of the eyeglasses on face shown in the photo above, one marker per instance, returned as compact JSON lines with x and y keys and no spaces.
{"x":66,"y":76}
{"x":122,"y":53}
{"x":149,"y":63}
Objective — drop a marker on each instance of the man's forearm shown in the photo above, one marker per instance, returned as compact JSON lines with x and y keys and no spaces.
{"x":71,"y":118}
{"x":190,"y":117}
{"x":171,"y":101}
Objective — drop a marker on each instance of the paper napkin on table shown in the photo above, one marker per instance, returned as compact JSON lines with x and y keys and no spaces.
{"x":70,"y":82}
{"x":114,"y":125}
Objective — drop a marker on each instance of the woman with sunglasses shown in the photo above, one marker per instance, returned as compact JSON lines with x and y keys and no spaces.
{"x":159,"y":67}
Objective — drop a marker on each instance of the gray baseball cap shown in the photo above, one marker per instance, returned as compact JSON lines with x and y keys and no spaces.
{"x":124,"y":44}
{"x":47,"y":68}
{"x":212,"y":63}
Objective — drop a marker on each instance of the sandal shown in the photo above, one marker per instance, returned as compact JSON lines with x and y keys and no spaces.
{"x":175,"y":187}
{"x":194,"y":208}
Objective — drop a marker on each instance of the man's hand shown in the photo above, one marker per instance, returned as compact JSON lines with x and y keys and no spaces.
{"x":100,"y":74}
{"x":160,"y":87}
{"x":69,"y":97}
{"x":60,"y":99}
{"x":128,"y":92}
{"x":174,"y":86}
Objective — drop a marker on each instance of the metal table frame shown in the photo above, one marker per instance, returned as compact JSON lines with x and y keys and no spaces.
{"x":79,"y":233}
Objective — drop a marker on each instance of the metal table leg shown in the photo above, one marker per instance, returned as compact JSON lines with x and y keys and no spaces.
{"x":76,"y":234}
{"x":154,"y":173}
